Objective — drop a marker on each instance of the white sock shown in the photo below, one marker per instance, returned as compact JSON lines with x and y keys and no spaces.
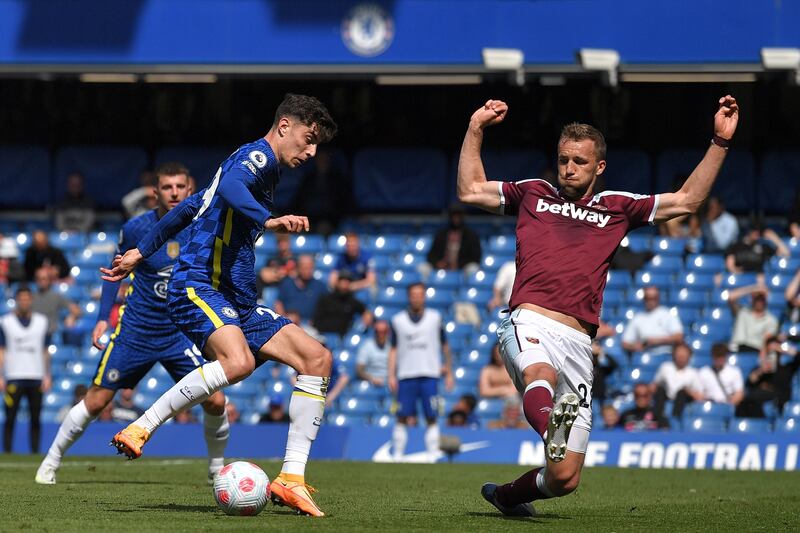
{"x":76,"y":421}
{"x":399,"y":440}
{"x":305,"y":414}
{"x":217,"y":430}
{"x":195,"y":387}
{"x":542,"y":486}
{"x":432,"y":441}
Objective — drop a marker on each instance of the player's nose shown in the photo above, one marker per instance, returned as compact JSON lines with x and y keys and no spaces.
{"x":311,"y":151}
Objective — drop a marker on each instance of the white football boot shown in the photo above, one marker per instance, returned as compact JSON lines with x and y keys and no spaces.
{"x":564,"y":413}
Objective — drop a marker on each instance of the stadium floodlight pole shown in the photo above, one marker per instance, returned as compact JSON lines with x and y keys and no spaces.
{"x":508,"y":59}
{"x":783,"y":59}
{"x":601,"y":60}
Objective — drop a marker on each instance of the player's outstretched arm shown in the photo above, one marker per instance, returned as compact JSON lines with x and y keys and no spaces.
{"x":473,"y":187}
{"x":697,"y":187}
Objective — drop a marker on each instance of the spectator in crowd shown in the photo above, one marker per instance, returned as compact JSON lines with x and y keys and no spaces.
{"x":754,"y":249}
{"x":655,"y":329}
{"x":77,"y":395}
{"x":794,"y":216}
{"x":42,"y":254}
{"x":232,"y":411}
{"x":643,"y":416}
{"x":792,"y":295}
{"x":124,"y":410}
{"x":511,"y":417}
{"x":24,"y":365}
{"x":676,"y":381}
{"x":373,"y":356}
{"x":325,"y":193}
{"x":771,"y":380}
{"x":682,"y":226}
{"x":455,"y":247}
{"x":300,"y":293}
{"x":721,"y":382}
{"x":419,"y":357}
{"x":355,"y":261}
{"x":276,"y":412}
{"x":75,"y":212}
{"x":611,"y":417}
{"x":51,"y":303}
{"x":753,"y":324}
{"x":339,"y":379}
{"x":720,"y":229}
{"x":143,"y":198}
{"x":280,"y":265}
{"x":503,"y":283}
{"x":603,"y":366}
{"x":335,"y":311}
{"x":463,"y":412}
{"x":494,"y":380}
{"x":10,"y":268}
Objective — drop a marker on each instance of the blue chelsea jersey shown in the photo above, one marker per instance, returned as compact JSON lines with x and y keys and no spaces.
{"x":145,"y":305}
{"x":229,"y":220}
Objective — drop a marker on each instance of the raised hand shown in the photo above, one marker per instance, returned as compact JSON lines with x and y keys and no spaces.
{"x":727,"y":117}
{"x":493,"y":112}
{"x":122,"y":266}
{"x":288,"y":224}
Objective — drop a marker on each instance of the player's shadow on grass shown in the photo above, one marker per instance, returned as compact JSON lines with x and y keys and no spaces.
{"x":180,"y":508}
{"x":118,"y":482}
{"x":546,"y":516}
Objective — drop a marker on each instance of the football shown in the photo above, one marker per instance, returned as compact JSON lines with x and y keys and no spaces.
{"x":241,"y":489}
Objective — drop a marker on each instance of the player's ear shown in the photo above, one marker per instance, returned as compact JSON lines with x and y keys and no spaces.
{"x":283,"y":126}
{"x":601,"y":166}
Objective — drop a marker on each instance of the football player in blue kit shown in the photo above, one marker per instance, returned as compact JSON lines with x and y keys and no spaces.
{"x":144,"y":335}
{"x":212,"y":293}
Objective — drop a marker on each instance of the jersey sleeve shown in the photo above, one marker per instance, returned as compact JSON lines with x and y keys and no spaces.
{"x":170,"y":224}
{"x":234,"y":188}
{"x":512,"y":193}
{"x":2,"y":337}
{"x":640,"y":209}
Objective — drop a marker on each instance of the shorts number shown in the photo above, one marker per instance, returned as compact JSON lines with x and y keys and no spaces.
{"x":584,"y":390}
{"x":265,"y":310}
{"x":193,"y":353}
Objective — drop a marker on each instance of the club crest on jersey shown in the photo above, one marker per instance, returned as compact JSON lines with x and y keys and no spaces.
{"x":229,"y":312}
{"x":258,"y":158}
{"x":532,"y":340}
{"x":173,"y":249}
{"x":573,"y":211}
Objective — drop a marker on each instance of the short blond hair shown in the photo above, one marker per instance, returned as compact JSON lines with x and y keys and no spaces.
{"x":579,"y":132}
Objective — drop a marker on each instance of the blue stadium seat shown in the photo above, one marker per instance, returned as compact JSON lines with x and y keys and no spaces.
{"x":713,"y":331}
{"x":386,"y":312}
{"x":705,"y":263}
{"x":382,"y":263}
{"x":661,"y":279}
{"x":794,"y":246}
{"x":392,"y":296}
{"x":480,"y":280}
{"x":736,"y":185}
{"x":445,"y":279}
{"x":419,"y":245}
{"x":791,"y":409}
{"x":489,"y":407}
{"x":266,"y":244}
{"x":618,"y":279}
{"x":68,"y":242}
{"x":612,"y":297}
{"x":359,"y":406}
{"x":702,"y":424}
{"x":665,"y":263}
{"x":202,"y":161}
{"x":718,"y":314}
{"x":784,"y":264}
{"x":347,"y":420}
{"x":57,"y":400}
{"x":63,"y":354}
{"x":383,"y":176}
{"x":697,"y":280}
{"x":384,"y":244}
{"x":749,"y":425}
{"x":637,"y":242}
{"x":639,"y":374}
{"x":25,"y":177}
{"x":666,"y":246}
{"x":401,"y":279}
{"x":693,"y":298}
{"x":440,"y":299}
{"x":478,"y":297}
{"x":502,"y":245}
{"x":466,"y":376}
{"x":491,"y":263}
{"x":778,"y":169}
{"x":629,"y":171}
{"x":778,"y":282}
{"x":364,"y":390}
{"x":709,"y":410}
{"x":733,"y":281}
{"x":474,"y":358}
{"x":788,"y":425}
{"x":407,"y":262}
{"x":308,"y":244}
{"x":647,"y":359}
{"x":96,"y":164}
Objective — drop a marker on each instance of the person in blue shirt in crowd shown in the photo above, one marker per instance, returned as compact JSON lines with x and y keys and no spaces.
{"x":302,"y":292}
{"x":355,"y":261}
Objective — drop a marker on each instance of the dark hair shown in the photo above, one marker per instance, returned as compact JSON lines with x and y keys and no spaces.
{"x":21,"y":289}
{"x":470,"y":400}
{"x":309,"y":111}
{"x":579,"y":132}
{"x":682,"y":345}
{"x":719,"y":349}
{"x":171,"y":168}
{"x":417,"y":284}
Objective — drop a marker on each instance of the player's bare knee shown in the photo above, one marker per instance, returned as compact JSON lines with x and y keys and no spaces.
{"x":215,"y":404}
{"x":316,"y":361}
{"x":238,"y":367}
{"x":540,"y":371}
{"x":562,"y":482}
{"x":97,"y":399}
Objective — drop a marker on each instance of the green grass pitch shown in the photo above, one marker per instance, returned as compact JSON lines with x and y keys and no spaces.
{"x":109,"y":494}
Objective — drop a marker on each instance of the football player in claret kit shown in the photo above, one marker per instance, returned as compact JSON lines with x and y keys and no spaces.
{"x":212,"y":293}
{"x":144,"y":334}
{"x":566,"y":238}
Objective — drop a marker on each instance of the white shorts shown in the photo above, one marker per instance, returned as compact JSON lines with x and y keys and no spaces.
{"x":527,"y":338}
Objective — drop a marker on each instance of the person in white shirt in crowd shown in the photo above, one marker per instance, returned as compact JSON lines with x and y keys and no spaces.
{"x":720,"y":228}
{"x":655,"y":329}
{"x":24,"y":365}
{"x":792,"y":295}
{"x":721,"y":382}
{"x":372,"y":359}
{"x":753,"y":324}
{"x":415,"y":367}
{"x":503,"y":284}
{"x":677,"y":381}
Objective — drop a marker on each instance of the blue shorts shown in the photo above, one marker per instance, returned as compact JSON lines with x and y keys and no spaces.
{"x":413,"y":389}
{"x":200,"y":310}
{"x":131,"y":353}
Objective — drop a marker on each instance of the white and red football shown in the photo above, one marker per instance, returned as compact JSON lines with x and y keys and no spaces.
{"x":241,"y":489}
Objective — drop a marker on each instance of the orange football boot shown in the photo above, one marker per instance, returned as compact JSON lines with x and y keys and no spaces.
{"x":292,"y":491}
{"x":130,"y":441}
